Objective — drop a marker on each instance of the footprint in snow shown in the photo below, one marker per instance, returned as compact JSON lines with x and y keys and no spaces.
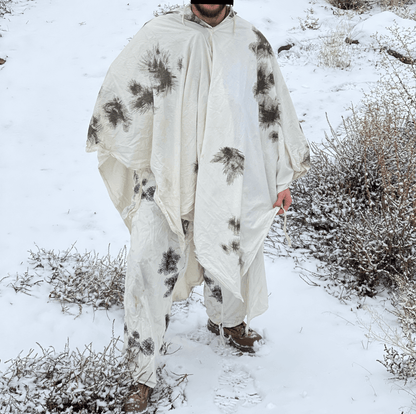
{"x":236,"y":389}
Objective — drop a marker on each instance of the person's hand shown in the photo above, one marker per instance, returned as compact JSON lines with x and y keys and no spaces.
{"x":283,"y":198}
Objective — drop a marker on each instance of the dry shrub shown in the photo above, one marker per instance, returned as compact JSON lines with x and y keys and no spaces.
{"x":404,"y":12}
{"x":5,"y":7}
{"x":356,"y":208}
{"x":88,"y":381}
{"x":348,"y":4}
{"x":388,"y":4}
{"x":80,"y":382}
{"x":359,"y":201}
{"x":362,"y":5}
{"x":24,"y":283}
{"x":400,"y":351}
{"x":310,"y":21}
{"x":83,"y":279}
{"x":165,"y":9}
{"x":334,"y":51}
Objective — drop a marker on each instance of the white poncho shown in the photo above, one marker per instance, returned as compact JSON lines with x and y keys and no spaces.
{"x":206,"y":110}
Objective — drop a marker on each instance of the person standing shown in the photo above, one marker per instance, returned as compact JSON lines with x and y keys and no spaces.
{"x":197,"y":143}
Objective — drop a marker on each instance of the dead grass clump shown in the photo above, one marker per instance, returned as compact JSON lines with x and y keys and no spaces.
{"x":82,"y":279}
{"x":80,"y":382}
{"x":334,"y":51}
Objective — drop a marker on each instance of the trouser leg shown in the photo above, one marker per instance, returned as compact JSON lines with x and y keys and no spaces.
{"x":221,"y":305}
{"x":154,"y":264}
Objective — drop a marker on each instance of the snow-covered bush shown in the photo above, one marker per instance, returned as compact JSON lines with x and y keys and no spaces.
{"x":310,"y":21}
{"x":80,"y":382}
{"x":356,"y":208}
{"x":83,"y":279}
{"x":363,"y":4}
{"x":358,"y":201}
{"x":400,"y":351}
{"x":4,"y":7}
{"x":334,"y":51}
{"x":348,"y":4}
{"x":164,"y":9}
{"x":392,"y":3}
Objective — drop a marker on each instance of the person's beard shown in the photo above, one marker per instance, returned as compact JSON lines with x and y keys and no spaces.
{"x":211,"y":14}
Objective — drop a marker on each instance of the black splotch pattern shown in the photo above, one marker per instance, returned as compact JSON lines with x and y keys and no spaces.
{"x":235,"y":246}
{"x":94,"y":129}
{"x":185,"y":226}
{"x":262,"y":47}
{"x":149,"y":194}
{"x":136,"y":335}
{"x":116,"y":113}
{"x":234,"y":225}
{"x":170,"y":282}
{"x":265,"y":81}
{"x":232,"y":247}
{"x":269,"y":114}
{"x":156,"y":61}
{"x":169,"y":263}
{"x":137,"y":185}
{"x":233,"y":162}
{"x":148,"y":347}
{"x":269,"y":111}
{"x":180,"y":64}
{"x":225,"y":248}
{"x":274,"y":136}
{"x":216,"y":293}
{"x":133,"y":343}
{"x":208,"y":280}
{"x":143,"y":98}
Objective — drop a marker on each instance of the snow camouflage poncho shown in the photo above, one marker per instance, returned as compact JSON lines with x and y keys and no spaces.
{"x":206,"y":110}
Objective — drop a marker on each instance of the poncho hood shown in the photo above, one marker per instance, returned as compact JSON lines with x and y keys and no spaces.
{"x":206,"y":110}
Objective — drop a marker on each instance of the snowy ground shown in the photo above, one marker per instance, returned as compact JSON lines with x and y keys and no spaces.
{"x":316,"y":358}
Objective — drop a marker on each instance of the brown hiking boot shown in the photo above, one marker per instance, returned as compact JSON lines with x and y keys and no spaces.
{"x":236,"y":336}
{"x":137,"y":401}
